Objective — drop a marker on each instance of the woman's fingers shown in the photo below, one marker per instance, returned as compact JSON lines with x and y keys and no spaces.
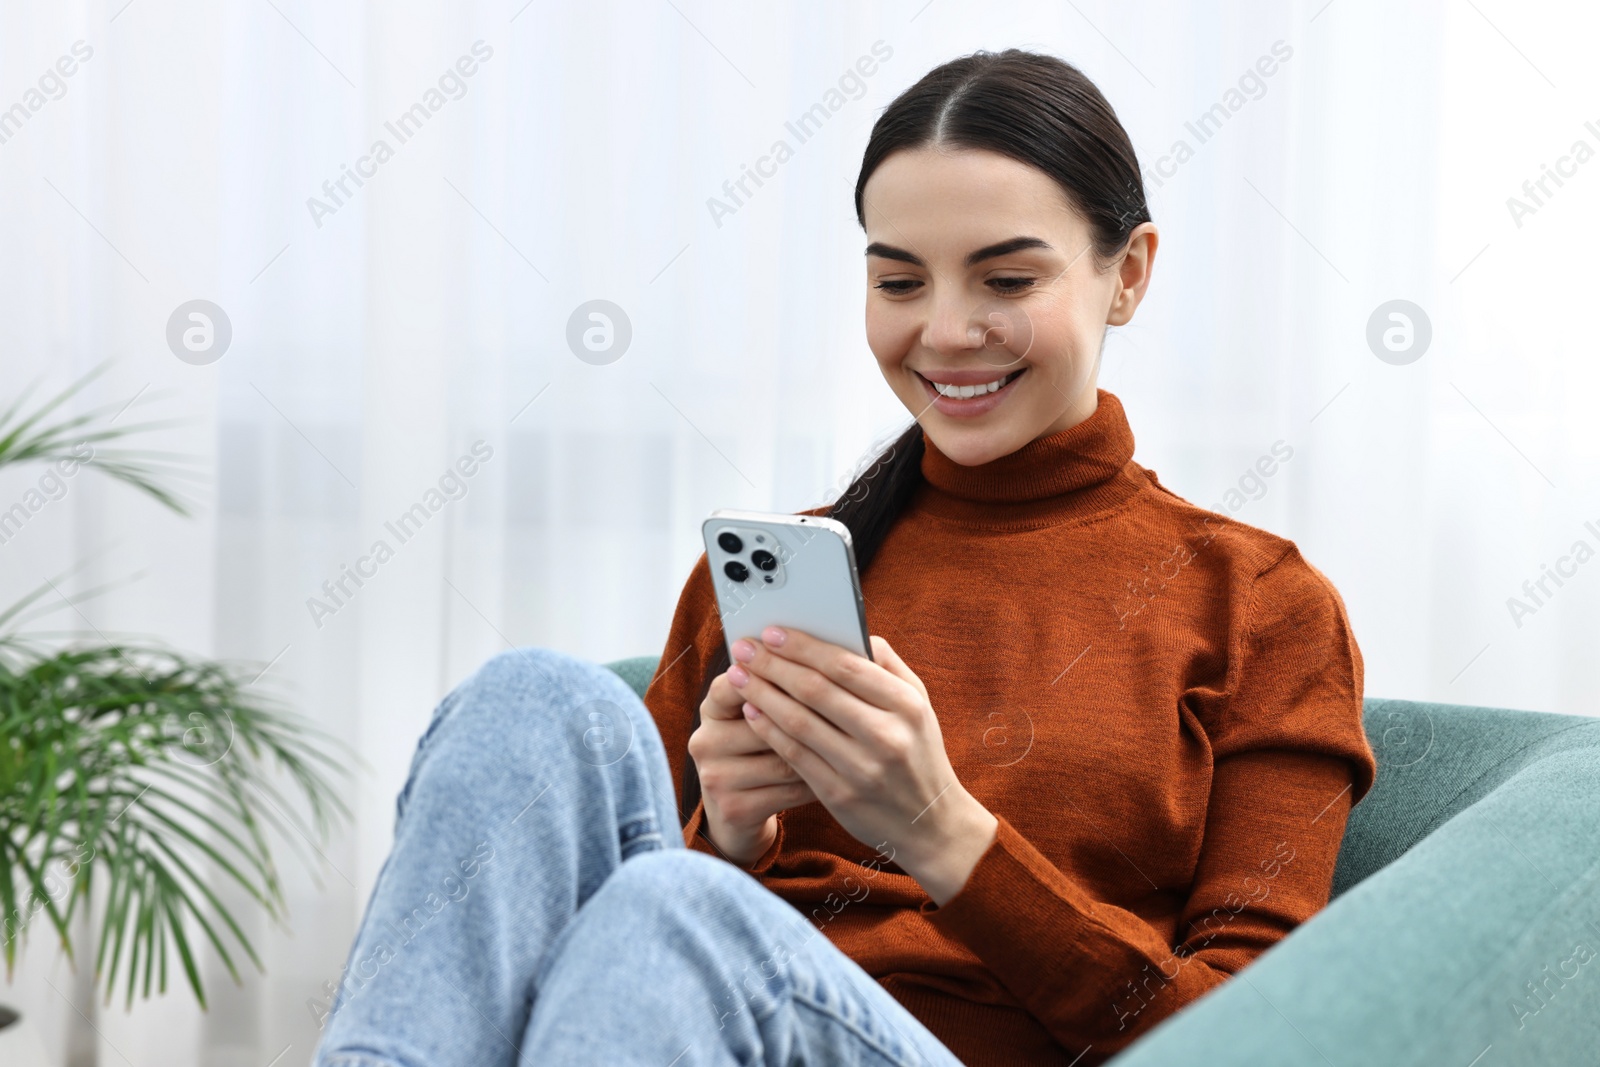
{"x":722,"y":700}
{"x":776,"y":798}
{"x":744,"y":782}
{"x":805,"y":665}
{"x":717,"y":738}
{"x":806,"y":725}
{"x":745,"y":823}
{"x":884,"y":653}
{"x":847,"y":692}
{"x":755,"y":771}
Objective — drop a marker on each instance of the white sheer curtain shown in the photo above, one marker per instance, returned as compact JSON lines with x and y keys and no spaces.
{"x":379,"y":335}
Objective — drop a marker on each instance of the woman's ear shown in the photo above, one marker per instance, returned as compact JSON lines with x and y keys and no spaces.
{"x":1133,"y":273}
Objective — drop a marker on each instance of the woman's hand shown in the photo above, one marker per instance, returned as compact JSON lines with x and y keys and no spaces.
{"x":744,"y":783}
{"x":864,"y":737}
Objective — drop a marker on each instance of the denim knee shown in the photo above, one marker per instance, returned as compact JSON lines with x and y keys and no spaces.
{"x":709,"y":911}
{"x":667,"y":876}
{"x":676,"y":887}
{"x":532,"y":666}
{"x":513,"y":685}
{"x":519,"y":706}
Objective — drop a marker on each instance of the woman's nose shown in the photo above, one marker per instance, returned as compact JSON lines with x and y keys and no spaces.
{"x":953,"y":328}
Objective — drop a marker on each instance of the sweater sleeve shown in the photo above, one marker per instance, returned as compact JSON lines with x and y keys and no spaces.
{"x":1289,"y":759}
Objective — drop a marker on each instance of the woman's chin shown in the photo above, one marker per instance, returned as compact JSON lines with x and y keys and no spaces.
{"x":972,"y":446}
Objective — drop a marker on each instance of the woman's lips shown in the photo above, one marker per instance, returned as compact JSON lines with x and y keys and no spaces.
{"x":971,"y":406}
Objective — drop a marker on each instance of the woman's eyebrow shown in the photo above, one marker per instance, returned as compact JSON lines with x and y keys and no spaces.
{"x":1014,"y":244}
{"x":883,"y":251}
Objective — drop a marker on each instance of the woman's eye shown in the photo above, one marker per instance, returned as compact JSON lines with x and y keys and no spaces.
{"x":897,"y":287}
{"x":1010,"y":285}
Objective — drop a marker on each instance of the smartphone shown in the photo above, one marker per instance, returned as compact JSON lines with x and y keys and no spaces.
{"x":792,"y":571}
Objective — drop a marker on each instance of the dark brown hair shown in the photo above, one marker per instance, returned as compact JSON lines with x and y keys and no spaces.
{"x":1033,"y":108}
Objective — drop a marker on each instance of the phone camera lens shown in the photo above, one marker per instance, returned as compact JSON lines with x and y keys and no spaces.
{"x":730,"y":542}
{"x":734,"y":569}
{"x":764,"y":559}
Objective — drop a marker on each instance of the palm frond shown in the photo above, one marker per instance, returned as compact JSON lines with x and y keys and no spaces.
{"x":158,"y":767}
{"x":27,"y":437}
{"x":157,"y":773}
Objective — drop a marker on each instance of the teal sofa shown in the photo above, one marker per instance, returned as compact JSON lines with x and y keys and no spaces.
{"x":1464,"y":929}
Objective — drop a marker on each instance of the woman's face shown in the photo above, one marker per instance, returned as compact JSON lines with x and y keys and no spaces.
{"x":980,"y":270}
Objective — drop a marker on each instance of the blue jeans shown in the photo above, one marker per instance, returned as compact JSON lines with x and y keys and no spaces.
{"x":539,"y":907}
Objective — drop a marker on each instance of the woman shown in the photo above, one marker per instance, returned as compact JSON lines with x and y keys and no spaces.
{"x":1101,"y":761}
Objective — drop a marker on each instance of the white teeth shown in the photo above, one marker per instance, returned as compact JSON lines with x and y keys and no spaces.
{"x":964,"y":391}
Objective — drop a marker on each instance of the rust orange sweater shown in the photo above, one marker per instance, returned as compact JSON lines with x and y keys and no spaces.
{"x":1162,"y":708}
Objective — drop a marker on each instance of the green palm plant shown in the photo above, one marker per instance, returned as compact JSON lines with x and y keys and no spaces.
{"x":157,"y":772}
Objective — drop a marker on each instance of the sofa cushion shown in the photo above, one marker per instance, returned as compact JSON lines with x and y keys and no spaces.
{"x":636,"y":671}
{"x":1436,"y":760}
{"x":1479,"y":945}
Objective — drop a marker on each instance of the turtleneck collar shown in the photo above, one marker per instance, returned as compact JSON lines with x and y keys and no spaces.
{"x":1075,"y":472}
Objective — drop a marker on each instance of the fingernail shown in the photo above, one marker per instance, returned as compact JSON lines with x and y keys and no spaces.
{"x":751,"y":711}
{"x":744,"y":651}
{"x":774,"y":636}
{"x":738,"y":675}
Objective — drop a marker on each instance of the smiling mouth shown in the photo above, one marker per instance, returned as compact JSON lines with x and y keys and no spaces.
{"x":971,"y":392}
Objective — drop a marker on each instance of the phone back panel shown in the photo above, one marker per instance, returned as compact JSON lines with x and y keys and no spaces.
{"x":806,"y":581}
